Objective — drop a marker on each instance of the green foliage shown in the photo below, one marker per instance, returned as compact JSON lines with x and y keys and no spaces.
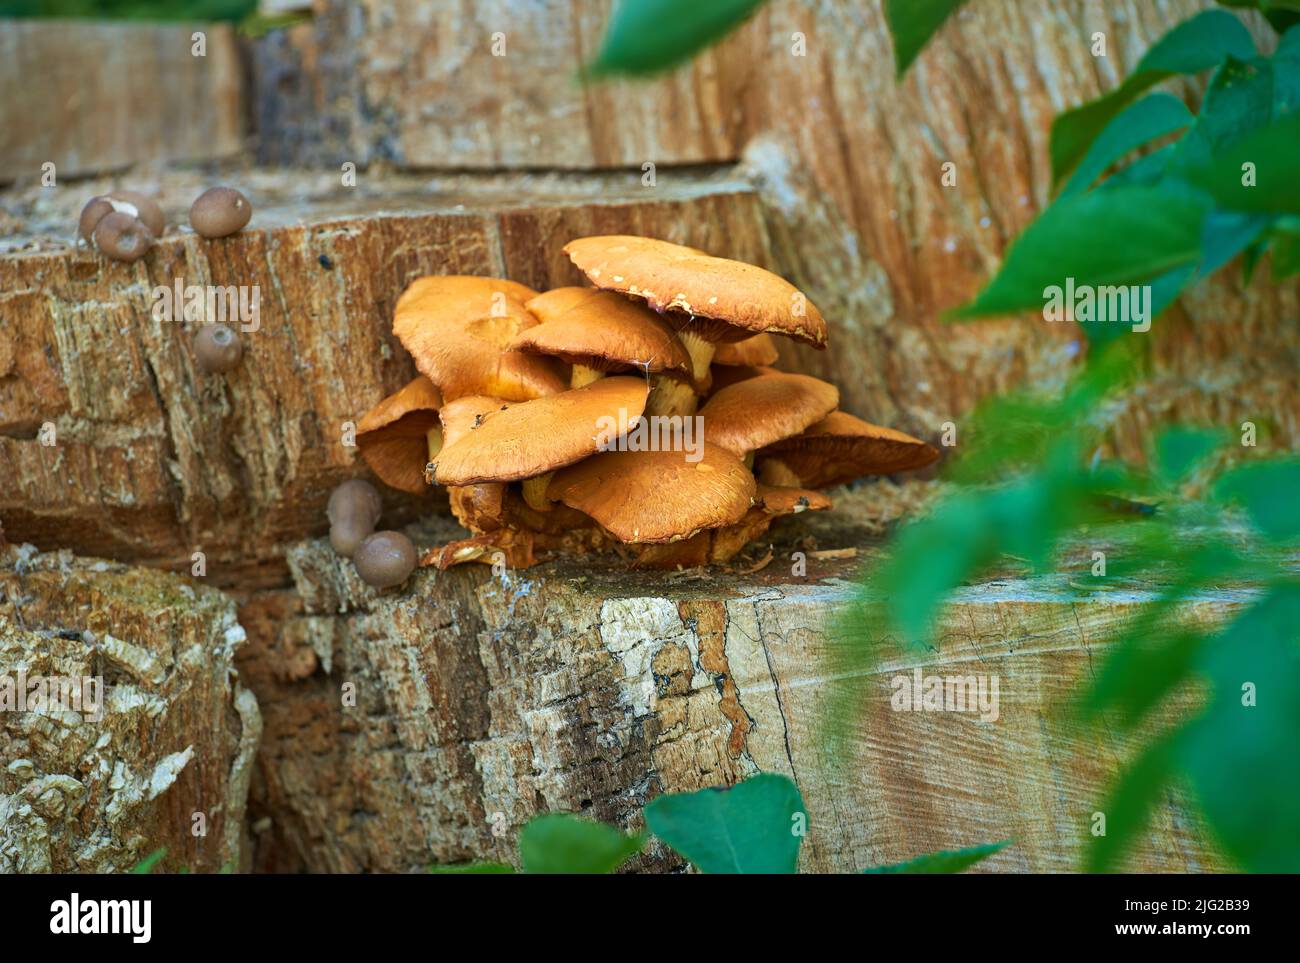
{"x":1138,"y":124}
{"x":950,"y":861}
{"x":649,"y":36}
{"x":754,"y":827}
{"x":146,"y":865}
{"x":912,"y":23}
{"x":1195,"y":45}
{"x":1124,"y":235}
{"x":558,"y":843}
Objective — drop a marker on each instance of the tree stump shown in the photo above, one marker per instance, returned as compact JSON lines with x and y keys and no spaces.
{"x":168,"y":761}
{"x":580,"y":686}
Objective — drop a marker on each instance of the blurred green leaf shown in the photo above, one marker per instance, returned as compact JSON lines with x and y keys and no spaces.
{"x":912,"y":23}
{"x":1179,"y":450}
{"x":559,"y":843}
{"x":1140,"y":673}
{"x":1194,"y":45}
{"x":1243,"y":754}
{"x":1142,"y":122}
{"x":1129,"y":806}
{"x":146,"y":865}
{"x":1125,"y":235}
{"x":948,"y":861}
{"x":1273,"y":154}
{"x":648,"y":36}
{"x":1269,"y":493}
{"x":749,"y":828}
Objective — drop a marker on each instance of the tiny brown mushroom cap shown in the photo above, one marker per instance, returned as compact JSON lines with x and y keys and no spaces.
{"x":841,"y":447}
{"x":670,"y":277}
{"x":217,"y":348}
{"x":220,"y":212}
{"x":121,"y":237}
{"x":657,"y":496}
{"x":385,"y":559}
{"x":758,"y":412}
{"x":459,"y":328}
{"x":531,"y":438}
{"x":606,"y":331}
{"x":353,"y":510}
{"x":146,"y":209}
{"x":95,"y":210}
{"x":758,"y":351}
{"x":393,"y":435}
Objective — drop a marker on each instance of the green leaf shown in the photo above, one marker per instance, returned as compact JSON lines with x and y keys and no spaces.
{"x":1194,"y":45}
{"x":558,"y":843}
{"x":1243,"y":755}
{"x":1180,"y":450}
{"x":1124,"y":235}
{"x":648,"y":36}
{"x":1227,"y":234}
{"x":1144,"y":121}
{"x":146,"y":865}
{"x":1139,"y":673}
{"x":1286,"y":255}
{"x":1274,"y":155}
{"x":949,"y":861}
{"x":912,"y":23}
{"x":1268,"y":491}
{"x":472,"y":869}
{"x":1130,"y":803}
{"x":749,"y":828}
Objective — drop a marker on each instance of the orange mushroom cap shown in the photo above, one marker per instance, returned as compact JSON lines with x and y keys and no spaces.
{"x":392,"y":436}
{"x":606,"y":331}
{"x":657,"y":496}
{"x":758,"y":351}
{"x":841,"y":447}
{"x":740,"y":298}
{"x":758,"y":412}
{"x":459,"y":328}
{"x":531,"y":438}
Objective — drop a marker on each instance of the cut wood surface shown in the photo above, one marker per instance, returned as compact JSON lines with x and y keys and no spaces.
{"x":95,"y":97}
{"x":177,"y":734}
{"x":482,"y":701}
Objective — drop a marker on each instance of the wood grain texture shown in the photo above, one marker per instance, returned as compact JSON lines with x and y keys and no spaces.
{"x":96,"y":97}
{"x":581,"y":687}
{"x":155,"y":460}
{"x":847,"y":161}
{"x":177,"y":735}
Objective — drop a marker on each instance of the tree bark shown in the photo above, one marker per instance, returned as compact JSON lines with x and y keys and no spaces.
{"x":168,"y":763}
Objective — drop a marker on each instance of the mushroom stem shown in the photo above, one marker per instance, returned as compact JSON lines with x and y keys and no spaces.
{"x":433,"y":437}
{"x":669,"y":396}
{"x":749,"y":460}
{"x":778,"y":474}
{"x":535,"y":492}
{"x":582,"y":375}
{"x":701,"y":352}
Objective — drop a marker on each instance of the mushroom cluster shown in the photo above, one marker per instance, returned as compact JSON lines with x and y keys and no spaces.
{"x":642,"y":414}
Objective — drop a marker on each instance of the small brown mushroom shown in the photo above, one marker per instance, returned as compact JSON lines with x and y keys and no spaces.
{"x":146,"y":209}
{"x":353,"y":510}
{"x":220,"y":212}
{"x":122,"y":237}
{"x":95,"y":210}
{"x":217,"y":348}
{"x":838,"y":449}
{"x":385,"y":559}
{"x":401,"y":435}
